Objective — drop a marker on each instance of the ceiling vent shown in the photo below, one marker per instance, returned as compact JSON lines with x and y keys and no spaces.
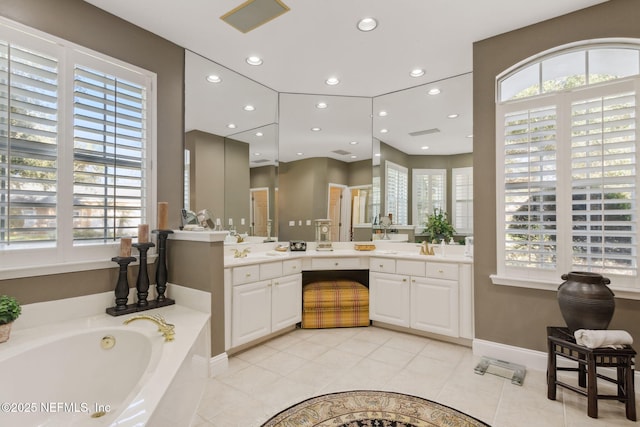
{"x":260,"y":161}
{"x":253,"y":13}
{"x":424,"y":132}
{"x":341,"y":152}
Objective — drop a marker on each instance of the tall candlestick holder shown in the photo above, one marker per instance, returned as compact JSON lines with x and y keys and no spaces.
{"x":122,"y":286}
{"x":161,"y":267}
{"x":142,"y":284}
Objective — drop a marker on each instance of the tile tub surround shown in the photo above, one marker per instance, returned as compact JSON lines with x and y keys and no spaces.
{"x":42,"y":322}
{"x":268,"y":378}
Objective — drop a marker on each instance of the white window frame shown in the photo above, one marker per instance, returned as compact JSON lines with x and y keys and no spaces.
{"x":33,"y":260}
{"x":418,"y":220}
{"x":466,"y":227}
{"x":402,"y":197}
{"x":623,"y":285}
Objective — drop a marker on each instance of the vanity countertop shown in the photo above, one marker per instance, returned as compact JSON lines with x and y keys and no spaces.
{"x":259,"y":254}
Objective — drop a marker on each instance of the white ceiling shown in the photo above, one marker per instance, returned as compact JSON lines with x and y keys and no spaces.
{"x":319,"y":39}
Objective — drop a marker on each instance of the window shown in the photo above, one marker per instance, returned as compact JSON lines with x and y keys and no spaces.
{"x":567,"y":186}
{"x":462,"y":194}
{"x":396,"y":194}
{"x":429,"y":193}
{"x":76,"y":139}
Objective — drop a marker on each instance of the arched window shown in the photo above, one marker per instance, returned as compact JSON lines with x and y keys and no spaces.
{"x":566,"y":147}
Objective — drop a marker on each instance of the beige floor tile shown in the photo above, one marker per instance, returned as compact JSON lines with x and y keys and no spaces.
{"x":270,"y":377}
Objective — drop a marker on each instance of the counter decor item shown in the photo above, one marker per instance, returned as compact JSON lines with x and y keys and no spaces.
{"x":585,"y":300}
{"x":10,"y":310}
{"x":438,"y":226}
{"x":297,"y":246}
{"x":323,"y":235}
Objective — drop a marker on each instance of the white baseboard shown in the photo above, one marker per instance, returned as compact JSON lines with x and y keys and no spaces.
{"x":218,"y":364}
{"x":530,"y":359}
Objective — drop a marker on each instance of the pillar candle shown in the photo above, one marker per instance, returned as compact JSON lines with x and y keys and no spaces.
{"x":163,"y":215}
{"x":241,"y":221}
{"x":230,"y":221}
{"x":218,"y":221}
{"x":125,"y":247}
{"x":143,"y":233}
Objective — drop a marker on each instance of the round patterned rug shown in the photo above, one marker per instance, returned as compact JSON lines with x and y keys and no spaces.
{"x":371,"y":409}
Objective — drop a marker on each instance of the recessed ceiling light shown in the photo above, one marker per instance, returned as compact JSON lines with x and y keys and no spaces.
{"x":212,"y":78}
{"x":434,"y":91}
{"x":384,"y":130}
{"x":354,"y":156}
{"x":321,"y":105}
{"x":382,"y":113}
{"x":254,"y":60}
{"x":259,"y":134}
{"x":257,"y":154}
{"x":367,"y":24}
{"x":332,"y":81}
{"x":354,"y":143}
{"x":231,"y":126}
{"x":426,"y":147}
{"x":418,"y":72}
{"x":299,"y":154}
{"x":377,"y":154}
{"x":470,"y":136}
{"x":316,"y":129}
{"x":453,"y":116}
{"x":249,"y":108}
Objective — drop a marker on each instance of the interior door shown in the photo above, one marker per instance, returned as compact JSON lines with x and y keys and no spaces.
{"x":259,"y":211}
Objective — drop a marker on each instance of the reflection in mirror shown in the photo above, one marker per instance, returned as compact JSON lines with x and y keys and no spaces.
{"x":228,"y":119}
{"x":422,"y":157}
{"x":324,"y":165}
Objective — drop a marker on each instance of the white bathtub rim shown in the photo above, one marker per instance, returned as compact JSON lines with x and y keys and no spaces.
{"x":146,"y":395}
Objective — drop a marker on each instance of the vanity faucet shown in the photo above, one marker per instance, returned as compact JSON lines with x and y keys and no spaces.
{"x":166,"y":329}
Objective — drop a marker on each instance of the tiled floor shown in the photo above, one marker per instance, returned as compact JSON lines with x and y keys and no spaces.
{"x":266,"y":379}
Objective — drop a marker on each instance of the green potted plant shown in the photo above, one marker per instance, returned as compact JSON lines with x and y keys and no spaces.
{"x":438,"y":226}
{"x":9,"y":311}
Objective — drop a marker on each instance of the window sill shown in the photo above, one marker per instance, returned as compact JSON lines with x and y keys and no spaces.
{"x":61,"y":268}
{"x":518,"y":282}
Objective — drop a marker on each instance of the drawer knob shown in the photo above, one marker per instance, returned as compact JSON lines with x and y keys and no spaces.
{"x":381,"y":266}
{"x":248,"y":275}
{"x":404,"y":280}
{"x":440,"y":271}
{"x":336,"y":263}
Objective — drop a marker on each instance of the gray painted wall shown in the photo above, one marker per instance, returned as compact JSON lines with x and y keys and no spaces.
{"x":510,"y":315}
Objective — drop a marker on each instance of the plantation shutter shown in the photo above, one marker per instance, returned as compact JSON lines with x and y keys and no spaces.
{"x":429,"y":193}
{"x":28,"y":145}
{"x":462,"y":199}
{"x":530,"y":233}
{"x":397,"y":191}
{"x":109,"y":156}
{"x":603,"y":181}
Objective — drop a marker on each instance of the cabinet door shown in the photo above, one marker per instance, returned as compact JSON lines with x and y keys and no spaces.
{"x":286,"y":301}
{"x":434,"y":305}
{"x":389,"y":298}
{"x":251,"y":312}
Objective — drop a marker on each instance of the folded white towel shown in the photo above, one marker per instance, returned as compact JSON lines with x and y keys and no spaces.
{"x":593,"y":338}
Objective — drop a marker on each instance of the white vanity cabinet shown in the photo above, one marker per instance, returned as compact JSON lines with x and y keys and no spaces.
{"x":423,"y":295}
{"x":265,"y":298}
{"x":434,"y":304}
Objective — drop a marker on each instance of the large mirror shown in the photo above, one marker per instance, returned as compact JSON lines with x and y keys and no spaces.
{"x":231,"y":139}
{"x":423,"y":158}
{"x":325,"y":165}
{"x":296,"y":158}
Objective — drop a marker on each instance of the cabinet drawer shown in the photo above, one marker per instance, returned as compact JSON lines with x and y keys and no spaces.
{"x":270,"y":270}
{"x":385,"y":265}
{"x":411,"y":268}
{"x":291,"y":266}
{"x":442,"y":270}
{"x":335,"y":263}
{"x":246,"y":274}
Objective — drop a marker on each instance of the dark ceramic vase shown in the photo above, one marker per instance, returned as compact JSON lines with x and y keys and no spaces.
{"x":586,"y":302}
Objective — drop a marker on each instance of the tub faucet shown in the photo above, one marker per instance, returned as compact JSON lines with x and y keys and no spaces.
{"x":167,"y":329}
